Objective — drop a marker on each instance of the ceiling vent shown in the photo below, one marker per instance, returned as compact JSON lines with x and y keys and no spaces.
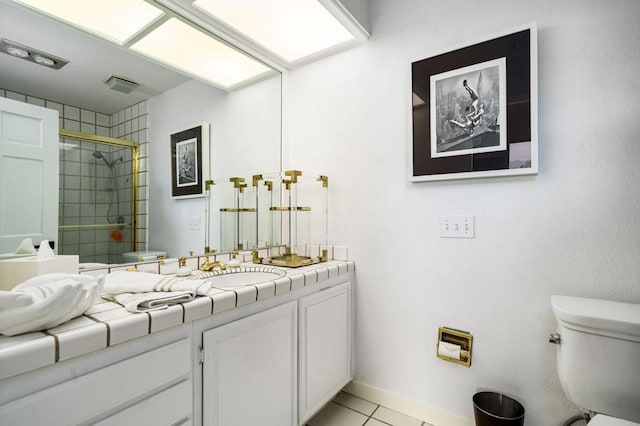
{"x":121,"y":84}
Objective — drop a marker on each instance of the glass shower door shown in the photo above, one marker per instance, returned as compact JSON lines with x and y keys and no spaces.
{"x":97,"y":197}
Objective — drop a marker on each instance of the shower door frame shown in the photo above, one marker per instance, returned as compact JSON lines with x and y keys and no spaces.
{"x":89,"y":137}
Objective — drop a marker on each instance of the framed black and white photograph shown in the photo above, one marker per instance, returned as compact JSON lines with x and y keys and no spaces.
{"x":190,"y":162}
{"x":474,"y":110}
{"x":465,"y":111}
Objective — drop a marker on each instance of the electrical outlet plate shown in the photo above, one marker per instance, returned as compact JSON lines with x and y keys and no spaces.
{"x":457,"y":226}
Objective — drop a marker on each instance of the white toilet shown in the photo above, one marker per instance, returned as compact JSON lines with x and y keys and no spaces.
{"x":599,"y":357}
{"x":142,"y":256}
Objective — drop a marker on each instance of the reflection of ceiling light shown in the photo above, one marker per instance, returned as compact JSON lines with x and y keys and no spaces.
{"x":195,"y":53}
{"x":292,"y":29}
{"x":116,"y":20}
{"x":16,"y":51}
{"x":42,"y":60}
{"x":30,"y":54}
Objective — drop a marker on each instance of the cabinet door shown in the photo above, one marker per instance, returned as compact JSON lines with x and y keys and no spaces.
{"x":250,"y":370}
{"x":325,"y":347}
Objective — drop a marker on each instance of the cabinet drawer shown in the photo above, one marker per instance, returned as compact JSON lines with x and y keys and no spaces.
{"x":97,"y":393}
{"x":168,"y":407}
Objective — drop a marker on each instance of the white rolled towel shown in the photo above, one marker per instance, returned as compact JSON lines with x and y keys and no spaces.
{"x":46,"y":301}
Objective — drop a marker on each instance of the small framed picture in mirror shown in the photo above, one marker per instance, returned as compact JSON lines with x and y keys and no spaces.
{"x":190,"y":162}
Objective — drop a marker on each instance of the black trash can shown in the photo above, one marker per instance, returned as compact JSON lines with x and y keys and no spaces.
{"x":496,"y":409}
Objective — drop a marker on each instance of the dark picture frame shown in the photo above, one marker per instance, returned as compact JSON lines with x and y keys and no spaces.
{"x":189,"y":162}
{"x":474,"y":110}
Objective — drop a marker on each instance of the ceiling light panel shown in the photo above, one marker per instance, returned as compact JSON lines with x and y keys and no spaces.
{"x":199,"y":55}
{"x":115,"y":20}
{"x":292,"y":29}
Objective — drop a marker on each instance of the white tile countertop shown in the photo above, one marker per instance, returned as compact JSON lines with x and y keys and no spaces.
{"x":107,"y":323}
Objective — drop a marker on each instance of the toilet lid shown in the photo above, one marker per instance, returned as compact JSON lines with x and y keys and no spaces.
{"x":602,"y":420}
{"x":606,"y":317}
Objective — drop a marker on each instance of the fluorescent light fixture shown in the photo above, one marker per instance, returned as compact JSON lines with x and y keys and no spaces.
{"x":292,"y":29}
{"x":115,"y":20}
{"x":199,"y":55}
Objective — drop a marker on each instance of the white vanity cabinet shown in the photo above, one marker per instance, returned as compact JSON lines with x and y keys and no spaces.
{"x":326,"y":338}
{"x":272,"y":362}
{"x":250,"y":370}
{"x":151,"y":388}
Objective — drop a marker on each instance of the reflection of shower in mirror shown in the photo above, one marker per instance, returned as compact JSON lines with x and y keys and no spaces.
{"x":110,"y":164}
{"x":97,"y":197}
{"x":114,"y":198}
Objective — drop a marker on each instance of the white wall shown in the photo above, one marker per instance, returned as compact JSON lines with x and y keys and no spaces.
{"x":572,"y":229}
{"x":245,"y":140}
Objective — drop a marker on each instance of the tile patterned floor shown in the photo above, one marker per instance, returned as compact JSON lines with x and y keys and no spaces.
{"x":349,"y":410}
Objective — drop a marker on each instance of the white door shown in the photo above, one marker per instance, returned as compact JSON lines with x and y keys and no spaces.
{"x":29,"y":170}
{"x":250,"y":370}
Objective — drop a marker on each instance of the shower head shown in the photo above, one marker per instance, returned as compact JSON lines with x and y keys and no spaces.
{"x":110,"y":164}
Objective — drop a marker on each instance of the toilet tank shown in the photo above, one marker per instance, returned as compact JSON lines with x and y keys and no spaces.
{"x":142,"y":256}
{"x":598,"y":355}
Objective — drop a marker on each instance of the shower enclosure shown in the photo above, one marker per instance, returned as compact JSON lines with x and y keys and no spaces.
{"x":98,"y":181}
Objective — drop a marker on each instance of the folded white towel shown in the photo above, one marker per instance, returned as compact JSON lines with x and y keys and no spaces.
{"x":153,"y":301}
{"x":141,"y":282}
{"x":46,"y":301}
{"x":143,"y":292}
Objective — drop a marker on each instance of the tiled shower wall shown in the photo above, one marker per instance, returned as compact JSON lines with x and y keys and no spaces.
{"x":130,"y":124}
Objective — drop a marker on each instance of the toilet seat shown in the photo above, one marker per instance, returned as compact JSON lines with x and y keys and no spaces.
{"x":602,"y":420}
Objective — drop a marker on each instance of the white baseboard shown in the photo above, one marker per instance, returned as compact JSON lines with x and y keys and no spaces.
{"x":406,"y":406}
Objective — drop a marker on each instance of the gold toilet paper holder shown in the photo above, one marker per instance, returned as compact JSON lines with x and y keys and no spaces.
{"x":461,"y":338}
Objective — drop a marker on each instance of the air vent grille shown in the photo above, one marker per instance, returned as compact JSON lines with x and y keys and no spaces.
{"x":121,"y":84}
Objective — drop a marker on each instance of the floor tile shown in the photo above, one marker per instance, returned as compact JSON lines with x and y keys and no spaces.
{"x":360,"y":405}
{"x":337,"y":415}
{"x":394,"y":418}
{"x":374,"y":422}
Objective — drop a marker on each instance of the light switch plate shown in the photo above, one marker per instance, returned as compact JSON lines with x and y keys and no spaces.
{"x":194,"y":223}
{"x":457,"y":226}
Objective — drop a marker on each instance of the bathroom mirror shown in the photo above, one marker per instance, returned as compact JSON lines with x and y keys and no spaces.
{"x":80,"y":86}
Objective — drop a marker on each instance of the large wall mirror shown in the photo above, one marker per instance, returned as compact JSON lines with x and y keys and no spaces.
{"x":244,"y":122}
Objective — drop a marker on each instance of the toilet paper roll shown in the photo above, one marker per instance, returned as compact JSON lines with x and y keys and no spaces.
{"x":449,"y":349}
